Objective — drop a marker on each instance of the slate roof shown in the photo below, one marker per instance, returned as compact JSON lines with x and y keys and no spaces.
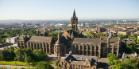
{"x":70,"y":57}
{"x":37,"y":39}
{"x":86,"y":41}
{"x":80,"y":59}
{"x":93,"y":41}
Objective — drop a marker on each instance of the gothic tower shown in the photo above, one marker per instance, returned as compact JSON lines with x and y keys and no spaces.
{"x":74,"y":22}
{"x":59,"y":49}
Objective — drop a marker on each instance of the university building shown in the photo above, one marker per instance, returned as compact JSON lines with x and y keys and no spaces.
{"x":70,"y":41}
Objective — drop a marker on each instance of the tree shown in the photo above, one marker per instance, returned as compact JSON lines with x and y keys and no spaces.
{"x":134,"y":37}
{"x":8,"y":55}
{"x":1,"y":55}
{"x":122,"y":36}
{"x":112,"y":58}
{"x":43,"y":65}
{"x":53,"y":34}
{"x":129,"y":63}
{"x":39,"y":55}
{"x":28,"y":55}
{"x":27,"y":58}
{"x":88,"y":34}
{"x":126,"y":63}
{"x":131,"y":48}
{"x":19,"y":54}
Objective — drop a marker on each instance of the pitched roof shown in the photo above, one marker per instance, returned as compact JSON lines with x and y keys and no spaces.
{"x":80,"y":59}
{"x":86,"y":40}
{"x":69,"y":58}
{"x":94,"y":41}
{"x":40,"y":39}
{"x":37,"y":39}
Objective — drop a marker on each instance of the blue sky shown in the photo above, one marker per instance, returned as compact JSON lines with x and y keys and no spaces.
{"x":63,"y":9}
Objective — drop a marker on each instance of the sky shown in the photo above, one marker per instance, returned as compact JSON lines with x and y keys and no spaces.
{"x":63,"y":9}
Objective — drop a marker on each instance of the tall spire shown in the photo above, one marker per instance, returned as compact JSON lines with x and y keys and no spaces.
{"x":74,"y":13}
{"x":74,"y":21}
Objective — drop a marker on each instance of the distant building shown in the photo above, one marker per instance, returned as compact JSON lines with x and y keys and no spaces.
{"x":11,"y":40}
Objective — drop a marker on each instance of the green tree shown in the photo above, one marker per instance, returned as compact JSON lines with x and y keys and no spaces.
{"x":134,"y":37}
{"x":8,"y":55}
{"x":1,"y":55}
{"x":53,"y":34}
{"x":28,"y":55}
{"x":130,"y":63}
{"x":43,"y":65}
{"x":126,"y":63}
{"x":39,"y":55}
{"x":88,"y":34}
{"x":27,"y":58}
{"x":112,"y":58}
{"x":122,"y":36}
{"x":19,"y":54}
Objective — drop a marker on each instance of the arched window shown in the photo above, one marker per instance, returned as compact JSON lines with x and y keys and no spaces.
{"x":77,"y":49}
{"x":41,"y":45}
{"x":47,"y":46}
{"x":88,"y":50}
{"x":38,"y":45}
{"x":88,"y":47}
{"x":81,"y":51}
{"x":35,"y":44}
{"x":80,"y":47}
{"x":31,"y":44}
{"x":44,"y":45}
{"x":85,"y":47}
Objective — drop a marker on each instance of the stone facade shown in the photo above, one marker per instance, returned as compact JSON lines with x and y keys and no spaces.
{"x":99,"y":47}
{"x":36,"y":42}
{"x":80,"y":46}
{"x":74,"y":22}
{"x":74,"y":62}
{"x":95,"y":47}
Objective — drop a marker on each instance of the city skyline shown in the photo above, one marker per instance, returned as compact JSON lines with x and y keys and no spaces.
{"x":62,"y":9}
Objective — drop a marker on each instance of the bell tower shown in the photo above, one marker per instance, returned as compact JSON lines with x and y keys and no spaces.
{"x":74,"y":22}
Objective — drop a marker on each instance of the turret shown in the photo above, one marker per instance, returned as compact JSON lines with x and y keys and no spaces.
{"x":59,"y":49}
{"x":26,"y":38}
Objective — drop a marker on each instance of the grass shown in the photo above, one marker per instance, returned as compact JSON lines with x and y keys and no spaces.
{"x":24,"y":65}
{"x":18,"y":63}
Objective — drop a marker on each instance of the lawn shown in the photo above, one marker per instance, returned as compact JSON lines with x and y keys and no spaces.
{"x":15,"y":65}
{"x":18,"y":63}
